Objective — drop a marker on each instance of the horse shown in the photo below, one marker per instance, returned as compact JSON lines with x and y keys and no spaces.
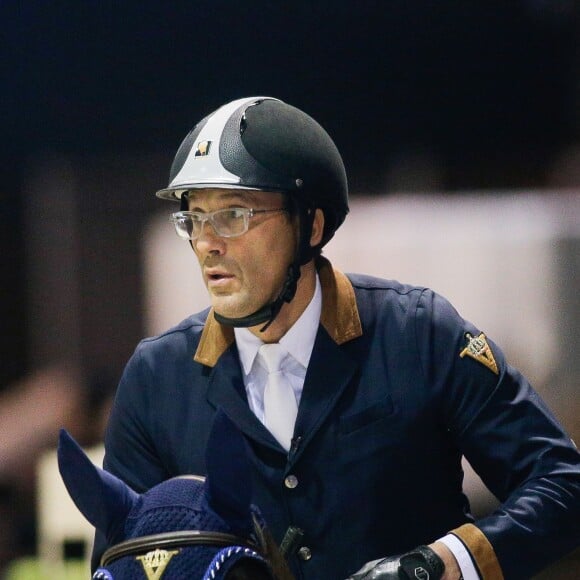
{"x":186,"y":527}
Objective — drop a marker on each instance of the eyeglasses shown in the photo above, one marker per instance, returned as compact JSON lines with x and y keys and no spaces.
{"x":227,"y":223}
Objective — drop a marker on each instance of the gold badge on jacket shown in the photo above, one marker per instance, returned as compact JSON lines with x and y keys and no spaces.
{"x":478,"y":349}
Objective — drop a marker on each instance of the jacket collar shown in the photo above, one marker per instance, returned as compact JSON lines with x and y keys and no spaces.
{"x":339,"y":317}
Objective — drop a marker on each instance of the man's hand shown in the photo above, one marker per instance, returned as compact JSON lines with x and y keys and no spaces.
{"x":422,"y":563}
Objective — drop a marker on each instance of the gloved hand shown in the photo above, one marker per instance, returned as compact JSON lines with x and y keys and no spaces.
{"x":422,"y":563}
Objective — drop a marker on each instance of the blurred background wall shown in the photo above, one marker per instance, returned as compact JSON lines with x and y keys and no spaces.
{"x":458,"y":123}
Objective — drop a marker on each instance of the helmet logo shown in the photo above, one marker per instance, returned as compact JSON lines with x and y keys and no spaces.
{"x":202,"y":149}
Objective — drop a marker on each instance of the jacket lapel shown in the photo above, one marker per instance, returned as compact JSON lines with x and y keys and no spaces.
{"x":330,"y":371}
{"x":226,"y":390}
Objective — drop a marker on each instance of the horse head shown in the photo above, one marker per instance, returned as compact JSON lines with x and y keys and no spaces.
{"x":185,"y":527}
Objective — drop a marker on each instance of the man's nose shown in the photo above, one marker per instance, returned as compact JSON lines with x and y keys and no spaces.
{"x":208,"y":239}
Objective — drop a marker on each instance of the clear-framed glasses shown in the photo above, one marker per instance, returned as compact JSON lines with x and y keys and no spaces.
{"x":227,"y":223}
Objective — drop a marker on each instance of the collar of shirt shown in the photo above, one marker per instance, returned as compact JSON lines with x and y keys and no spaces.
{"x":298,"y":341}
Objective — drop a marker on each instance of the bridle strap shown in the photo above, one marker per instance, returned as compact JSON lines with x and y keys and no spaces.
{"x":172,"y":540}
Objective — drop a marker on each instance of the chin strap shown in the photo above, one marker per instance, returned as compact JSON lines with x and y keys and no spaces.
{"x":269,"y":311}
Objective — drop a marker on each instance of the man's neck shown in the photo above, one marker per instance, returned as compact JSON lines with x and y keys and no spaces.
{"x":290,"y":311}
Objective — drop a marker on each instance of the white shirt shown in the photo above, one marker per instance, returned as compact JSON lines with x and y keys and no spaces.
{"x":299,"y":342}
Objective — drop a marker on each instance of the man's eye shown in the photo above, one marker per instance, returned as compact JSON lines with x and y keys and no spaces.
{"x":235,"y":212}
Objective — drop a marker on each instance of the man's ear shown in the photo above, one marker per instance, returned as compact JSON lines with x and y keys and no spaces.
{"x":317,"y":228}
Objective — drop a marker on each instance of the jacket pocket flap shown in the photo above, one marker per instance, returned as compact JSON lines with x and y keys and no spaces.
{"x":372,"y":413}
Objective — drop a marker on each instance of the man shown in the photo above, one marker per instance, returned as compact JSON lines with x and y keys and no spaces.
{"x":357,"y":430}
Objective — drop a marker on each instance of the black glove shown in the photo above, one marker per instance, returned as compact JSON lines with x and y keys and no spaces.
{"x":422,"y":563}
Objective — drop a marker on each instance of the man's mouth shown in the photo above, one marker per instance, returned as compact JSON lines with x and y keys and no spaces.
{"x":215,"y":276}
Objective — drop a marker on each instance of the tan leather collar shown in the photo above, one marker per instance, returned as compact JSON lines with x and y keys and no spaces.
{"x":339,"y":317}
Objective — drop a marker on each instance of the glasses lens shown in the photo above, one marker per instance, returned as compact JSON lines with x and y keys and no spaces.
{"x":183,"y":226}
{"x":231,"y":222}
{"x":226,"y":222}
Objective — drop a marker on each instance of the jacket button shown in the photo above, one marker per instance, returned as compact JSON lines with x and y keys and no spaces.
{"x":291,"y":481}
{"x":305,"y":553}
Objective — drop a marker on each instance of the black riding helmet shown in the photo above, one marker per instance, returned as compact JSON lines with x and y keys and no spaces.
{"x":263,"y":144}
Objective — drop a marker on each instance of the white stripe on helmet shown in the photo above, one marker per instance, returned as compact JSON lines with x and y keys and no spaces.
{"x":203,"y":171}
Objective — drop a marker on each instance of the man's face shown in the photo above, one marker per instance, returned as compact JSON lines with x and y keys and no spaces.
{"x":246,"y":272}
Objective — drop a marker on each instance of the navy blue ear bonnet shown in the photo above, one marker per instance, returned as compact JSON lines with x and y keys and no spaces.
{"x":186,"y":527}
{"x":176,"y":515}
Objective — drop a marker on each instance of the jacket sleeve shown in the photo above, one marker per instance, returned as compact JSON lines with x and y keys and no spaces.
{"x":129,"y":451}
{"x":511,"y":439}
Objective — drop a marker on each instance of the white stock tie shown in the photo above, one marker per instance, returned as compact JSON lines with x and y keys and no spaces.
{"x":280,"y":408}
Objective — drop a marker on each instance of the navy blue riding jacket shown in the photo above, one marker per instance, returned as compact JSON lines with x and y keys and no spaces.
{"x":399,"y":388}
